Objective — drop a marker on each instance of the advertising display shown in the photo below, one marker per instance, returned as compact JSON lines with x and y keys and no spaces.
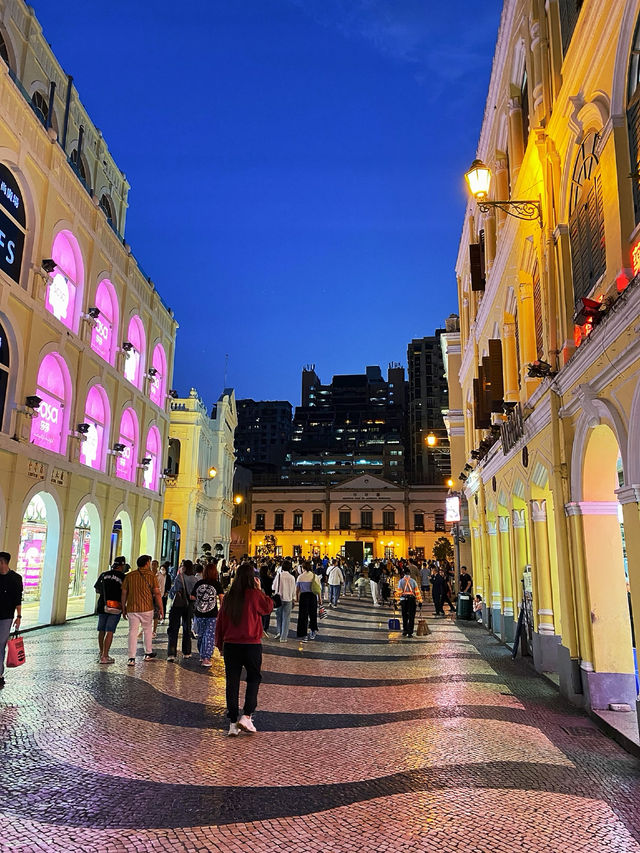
{"x":125,"y":463}
{"x":91,"y":450}
{"x":452,"y":512}
{"x":61,"y":298}
{"x":30,"y":562}
{"x":156,"y":388}
{"x":46,"y":427}
{"x":103,"y":331}
{"x":12,"y":225}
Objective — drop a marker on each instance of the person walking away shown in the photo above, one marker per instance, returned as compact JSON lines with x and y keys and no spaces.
{"x":109,"y":589}
{"x":375,"y":573}
{"x":205,"y":611}
{"x":266,"y":584}
{"x":336,"y":579}
{"x":307,"y":595}
{"x":239,"y":639}
{"x":139,"y":594}
{"x":284,"y":585}
{"x":447,"y":592}
{"x":181,"y":611}
{"x":348,"y":577}
{"x":10,"y":604}
{"x":438,"y":591}
{"x":425,"y":580}
{"x":409,"y":593}
{"x":158,"y":612}
{"x":164,"y":571}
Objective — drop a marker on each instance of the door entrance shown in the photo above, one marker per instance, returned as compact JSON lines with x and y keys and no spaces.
{"x":354,"y":552}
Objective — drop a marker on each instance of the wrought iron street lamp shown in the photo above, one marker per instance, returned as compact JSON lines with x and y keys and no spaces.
{"x":479,"y":181}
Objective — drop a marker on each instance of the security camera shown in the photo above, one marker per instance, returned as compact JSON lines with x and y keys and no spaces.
{"x":83,"y":429}
{"x":153,"y":371}
{"x":33,"y":401}
{"x":118,"y":447}
{"x":146,"y":461}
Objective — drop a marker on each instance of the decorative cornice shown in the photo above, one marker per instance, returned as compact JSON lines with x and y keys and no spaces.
{"x":628,"y":494}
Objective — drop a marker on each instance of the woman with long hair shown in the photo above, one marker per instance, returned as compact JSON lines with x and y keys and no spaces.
{"x":181,"y":611}
{"x":205,"y":611}
{"x":239,"y":639}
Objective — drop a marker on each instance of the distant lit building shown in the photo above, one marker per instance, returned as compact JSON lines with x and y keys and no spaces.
{"x":198,"y":504}
{"x":428,"y":398}
{"x":354,"y":425}
{"x":262,"y":437}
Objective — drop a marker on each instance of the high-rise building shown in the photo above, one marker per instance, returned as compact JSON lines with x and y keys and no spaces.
{"x":262,"y":437}
{"x":354,"y":425}
{"x":429,"y":462}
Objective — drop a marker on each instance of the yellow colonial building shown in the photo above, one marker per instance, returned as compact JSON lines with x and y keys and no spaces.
{"x":361,"y":518}
{"x":86,"y":343}
{"x":549,"y":302}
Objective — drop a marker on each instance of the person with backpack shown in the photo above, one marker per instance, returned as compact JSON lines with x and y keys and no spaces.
{"x":205,"y":611}
{"x":181,"y":611}
{"x":309,"y":595}
{"x":409,"y":594}
{"x":109,"y":609}
{"x":239,"y":639}
{"x":375,"y":573}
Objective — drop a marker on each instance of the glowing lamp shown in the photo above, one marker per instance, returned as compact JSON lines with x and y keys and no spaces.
{"x":238,"y":500}
{"x":431,"y":440}
{"x":212,"y":472}
{"x":479,"y":180}
{"x":450,"y":483}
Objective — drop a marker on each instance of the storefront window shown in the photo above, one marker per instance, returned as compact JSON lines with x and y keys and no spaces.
{"x":65,"y":282}
{"x":133,"y":364}
{"x":157,"y":385}
{"x":152,"y":452}
{"x":80,"y":556}
{"x":105,"y":329}
{"x":47,"y":427}
{"x":33,"y":542}
{"x":96,"y":416}
{"x":126,"y":462}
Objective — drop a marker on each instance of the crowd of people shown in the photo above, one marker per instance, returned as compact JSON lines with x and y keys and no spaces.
{"x":229,"y":606}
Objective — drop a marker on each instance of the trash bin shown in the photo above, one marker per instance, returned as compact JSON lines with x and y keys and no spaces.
{"x":464,"y":609}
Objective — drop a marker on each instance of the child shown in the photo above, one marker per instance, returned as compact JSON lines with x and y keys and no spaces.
{"x":477,"y":607}
{"x":361,"y":585}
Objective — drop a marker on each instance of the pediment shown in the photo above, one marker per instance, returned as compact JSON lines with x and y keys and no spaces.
{"x":366,"y":483}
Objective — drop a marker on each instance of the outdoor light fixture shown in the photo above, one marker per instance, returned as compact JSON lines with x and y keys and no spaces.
{"x":118,"y":447}
{"x":33,"y":401}
{"x":463,"y":477}
{"x":83,"y":429}
{"x":591,"y":311}
{"x":127,"y":346}
{"x":48,"y":265}
{"x":93,"y":312}
{"x":146,"y":461}
{"x":479,"y":181}
{"x":450,"y":483}
{"x":153,"y":371}
{"x":431,"y":440}
{"x":173,"y":394}
{"x":539,"y":369}
{"x":238,"y":500}
{"x":475,"y":454}
{"x":467,"y":467}
{"x":211,"y":473}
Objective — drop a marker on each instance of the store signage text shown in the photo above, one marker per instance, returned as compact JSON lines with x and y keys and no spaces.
{"x":512,"y":430}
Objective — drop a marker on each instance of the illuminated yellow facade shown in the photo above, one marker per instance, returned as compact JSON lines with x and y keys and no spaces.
{"x":551,"y":380}
{"x":86,"y":343}
{"x":366,"y":516}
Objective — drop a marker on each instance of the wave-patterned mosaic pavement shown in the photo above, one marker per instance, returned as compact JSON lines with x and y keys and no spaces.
{"x":367,"y":742}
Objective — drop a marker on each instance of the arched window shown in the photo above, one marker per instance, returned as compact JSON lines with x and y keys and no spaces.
{"x":80,"y":166}
{"x":40,"y":106}
{"x":96,"y":415}
{"x":633,"y":118}
{"x":127,"y":461}
{"x":158,"y":373}
{"x":152,"y":457}
{"x":49,"y":426}
{"x":4,"y":52}
{"x":64,"y":293}
{"x":586,"y":219}
{"x":106,"y":205}
{"x":4,"y":372}
{"x":104,"y":334}
{"x":133,"y":366}
{"x":12,"y":225}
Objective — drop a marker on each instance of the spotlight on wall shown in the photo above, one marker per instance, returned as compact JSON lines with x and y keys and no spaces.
{"x":48,"y":265}
{"x":467,"y":467}
{"x":118,"y":447}
{"x":33,"y":401}
{"x":462,"y":477}
{"x":93,"y":312}
{"x":127,"y":346}
{"x":475,"y":454}
{"x":153,"y":371}
{"x":539,"y":369}
{"x":173,"y":394}
{"x":146,"y":461}
{"x":83,"y":429}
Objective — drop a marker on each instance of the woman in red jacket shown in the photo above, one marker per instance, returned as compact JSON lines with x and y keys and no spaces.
{"x":239,"y":639}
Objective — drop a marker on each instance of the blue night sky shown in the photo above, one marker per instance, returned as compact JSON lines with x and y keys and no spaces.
{"x":296,"y":169}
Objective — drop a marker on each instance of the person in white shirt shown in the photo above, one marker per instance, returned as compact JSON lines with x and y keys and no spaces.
{"x":336,"y":579}
{"x":284,"y":585}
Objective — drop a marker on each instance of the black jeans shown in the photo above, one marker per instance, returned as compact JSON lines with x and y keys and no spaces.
{"x":408,"y":608}
{"x":179,"y":615}
{"x":236,"y":656}
{"x":307,"y":613}
{"x":438,"y":601}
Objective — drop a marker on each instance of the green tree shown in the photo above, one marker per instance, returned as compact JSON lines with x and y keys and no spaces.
{"x":443,"y":549}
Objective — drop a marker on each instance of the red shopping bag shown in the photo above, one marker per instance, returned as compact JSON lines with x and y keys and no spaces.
{"x":15,"y":651}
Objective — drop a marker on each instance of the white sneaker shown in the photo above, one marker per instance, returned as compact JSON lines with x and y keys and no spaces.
{"x":234,"y":731}
{"x":277,"y":637}
{"x":246,"y":724}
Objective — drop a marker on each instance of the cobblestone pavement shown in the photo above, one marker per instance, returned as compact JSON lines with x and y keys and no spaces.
{"x":367,"y":742}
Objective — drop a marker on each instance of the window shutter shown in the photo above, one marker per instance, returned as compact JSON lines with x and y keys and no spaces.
{"x":569,"y":13}
{"x":481,"y":418}
{"x":633,"y":123}
{"x":477,"y":266}
{"x":496,"y":384}
{"x":537,"y":308}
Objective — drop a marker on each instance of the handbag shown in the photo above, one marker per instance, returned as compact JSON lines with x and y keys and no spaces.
{"x":181,"y":599}
{"x":15,"y":651}
{"x":322,"y":612}
{"x":316,"y":589}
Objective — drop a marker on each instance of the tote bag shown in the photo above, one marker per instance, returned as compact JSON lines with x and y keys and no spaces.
{"x":15,"y":651}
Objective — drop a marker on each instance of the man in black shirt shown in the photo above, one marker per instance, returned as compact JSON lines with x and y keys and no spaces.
{"x":466,"y":582}
{"x":109,"y":588}
{"x":10,"y":602}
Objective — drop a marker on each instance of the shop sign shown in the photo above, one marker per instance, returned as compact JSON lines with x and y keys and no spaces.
{"x":512,"y":430}
{"x":46,"y":427}
{"x":635,"y":258}
{"x":12,"y":225}
{"x":61,"y":298}
{"x":59,"y":477}
{"x":101,"y":338}
{"x":36,"y":470}
{"x":91,"y":449}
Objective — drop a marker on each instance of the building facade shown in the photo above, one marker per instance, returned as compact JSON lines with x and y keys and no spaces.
{"x":262,"y":437}
{"x":354,"y":425}
{"x":362,"y":518}
{"x":427,"y":399}
{"x":198,"y":500}
{"x":86,"y":343}
{"x":550,"y":352}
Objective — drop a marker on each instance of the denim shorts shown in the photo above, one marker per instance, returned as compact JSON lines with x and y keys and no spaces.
{"x":107,"y":621}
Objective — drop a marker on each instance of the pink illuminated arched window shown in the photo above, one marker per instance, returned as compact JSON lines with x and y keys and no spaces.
{"x":96,"y":415}
{"x":64,"y":288}
{"x":158,"y":382}
{"x":126,"y":462}
{"x":105,"y":331}
{"x":49,"y":426}
{"x":133,"y":366}
{"x":152,"y":453}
